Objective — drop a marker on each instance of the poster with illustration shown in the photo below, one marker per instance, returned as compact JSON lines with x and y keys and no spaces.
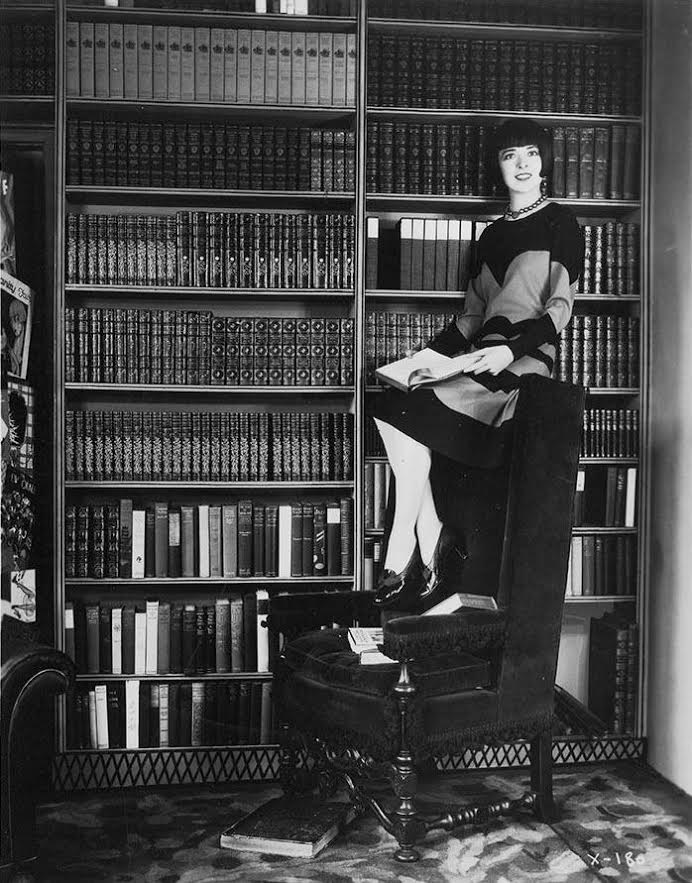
{"x":17,"y":304}
{"x":8,"y":256}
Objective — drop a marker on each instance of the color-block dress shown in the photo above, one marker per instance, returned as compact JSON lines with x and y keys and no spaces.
{"x":521,"y":295}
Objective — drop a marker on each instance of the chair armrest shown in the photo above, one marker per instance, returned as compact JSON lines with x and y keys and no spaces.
{"x":34,"y":666}
{"x":297,"y":613}
{"x":468,"y":631}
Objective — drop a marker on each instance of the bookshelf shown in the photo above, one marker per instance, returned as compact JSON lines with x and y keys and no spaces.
{"x":84,"y":767}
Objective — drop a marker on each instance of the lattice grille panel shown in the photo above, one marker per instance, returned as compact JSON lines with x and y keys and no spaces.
{"x":91,"y":770}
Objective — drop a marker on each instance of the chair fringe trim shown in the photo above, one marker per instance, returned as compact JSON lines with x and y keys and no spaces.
{"x":460,"y":638}
{"x":295,"y":707}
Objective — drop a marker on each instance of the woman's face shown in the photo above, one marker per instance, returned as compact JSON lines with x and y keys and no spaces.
{"x":521,"y":168}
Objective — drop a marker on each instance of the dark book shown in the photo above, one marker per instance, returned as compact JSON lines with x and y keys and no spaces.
{"x":249,"y":642}
{"x":125,"y":523}
{"x":299,"y":827}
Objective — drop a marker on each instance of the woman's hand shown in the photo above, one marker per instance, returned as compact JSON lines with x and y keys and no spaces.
{"x":492,"y":359}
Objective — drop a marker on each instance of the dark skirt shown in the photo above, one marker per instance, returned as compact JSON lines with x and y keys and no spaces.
{"x":422,"y":416}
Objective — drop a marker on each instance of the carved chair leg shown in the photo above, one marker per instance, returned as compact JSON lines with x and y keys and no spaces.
{"x":288,"y":760}
{"x":409,"y":828}
{"x":541,"y":754}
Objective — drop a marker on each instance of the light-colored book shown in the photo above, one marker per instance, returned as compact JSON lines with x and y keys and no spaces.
{"x":295,"y":67}
{"x":203,"y":539}
{"x":117,"y":640}
{"x":326,"y":70}
{"x":262,"y":630}
{"x":216,"y":65}
{"x":244,"y":67}
{"x":339,"y":70}
{"x":72,"y":59}
{"x":138,"y":539}
{"x":631,"y":496}
{"x":312,"y":68}
{"x":284,"y":67}
{"x":160,"y":62}
{"x":163,"y":715}
{"x":230,"y":64}
{"x":140,"y":642}
{"x":460,"y":600}
{"x":130,"y":54}
{"x":577,"y":565}
{"x":101,"y":703}
{"x":152,"y":651}
{"x":116,"y":82}
{"x":351,"y":70}
{"x":424,"y":368}
{"x":173,"y":65}
{"x":271,"y":67}
{"x":86,"y":59}
{"x":145,"y":61}
{"x":131,"y":714}
{"x":93,"y":737}
{"x":101,"y":62}
{"x":285,"y":540}
{"x":187,"y":64}
{"x":202,"y":63}
{"x":257,"y":67}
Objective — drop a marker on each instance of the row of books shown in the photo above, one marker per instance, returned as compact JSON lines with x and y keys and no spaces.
{"x":567,"y":13}
{"x":606,"y":496}
{"x":139,"y":714}
{"x":610,"y":432}
{"x":606,"y":432}
{"x":436,"y":254}
{"x":602,"y":565}
{"x":209,"y":155}
{"x":613,"y":671}
{"x":390,"y":336}
{"x":247,"y":538}
{"x":517,"y":75}
{"x":376,"y":478}
{"x":116,"y":345}
{"x":599,"y":162}
{"x":174,"y":63}
{"x":27,"y":58}
{"x":211,"y":249}
{"x":589,"y":162}
{"x":157,"y":637}
{"x":611,"y":258}
{"x":599,"y":351}
{"x":208,"y":446}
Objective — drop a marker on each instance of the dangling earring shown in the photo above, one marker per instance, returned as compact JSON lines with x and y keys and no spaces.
{"x":544,"y":186}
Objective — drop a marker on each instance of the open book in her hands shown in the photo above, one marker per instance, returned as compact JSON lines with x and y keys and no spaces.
{"x":424,"y":368}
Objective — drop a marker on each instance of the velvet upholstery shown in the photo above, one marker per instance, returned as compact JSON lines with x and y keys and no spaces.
{"x":31,"y":675}
{"x":515,"y":524}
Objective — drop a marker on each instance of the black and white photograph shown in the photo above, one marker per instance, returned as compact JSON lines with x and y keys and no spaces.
{"x":346,"y":441}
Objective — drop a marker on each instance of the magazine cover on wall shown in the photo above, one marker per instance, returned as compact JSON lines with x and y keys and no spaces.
{"x":8,"y":256}
{"x":17,"y":314}
{"x":18,"y":515}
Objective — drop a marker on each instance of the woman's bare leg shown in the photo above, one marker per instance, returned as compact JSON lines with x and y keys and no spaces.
{"x":428,"y":524}
{"x":410,"y":462}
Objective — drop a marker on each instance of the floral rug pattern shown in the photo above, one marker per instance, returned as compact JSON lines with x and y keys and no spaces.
{"x":618,"y":822}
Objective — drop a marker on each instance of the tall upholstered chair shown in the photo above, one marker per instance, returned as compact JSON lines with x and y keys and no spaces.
{"x":470,"y":678}
{"x":31,"y":675}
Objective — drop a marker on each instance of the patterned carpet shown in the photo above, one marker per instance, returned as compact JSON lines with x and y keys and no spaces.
{"x":619,"y":822}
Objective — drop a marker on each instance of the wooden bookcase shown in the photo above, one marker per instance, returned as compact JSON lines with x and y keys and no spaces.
{"x":84,"y":769}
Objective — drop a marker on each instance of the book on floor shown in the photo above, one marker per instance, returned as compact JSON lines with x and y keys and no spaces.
{"x":424,"y":368}
{"x":462,"y":599}
{"x":299,"y":827}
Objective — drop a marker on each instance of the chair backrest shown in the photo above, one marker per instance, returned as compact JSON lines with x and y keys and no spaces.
{"x":517,"y":524}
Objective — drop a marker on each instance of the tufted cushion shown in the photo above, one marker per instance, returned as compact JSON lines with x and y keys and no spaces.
{"x":326,"y":656}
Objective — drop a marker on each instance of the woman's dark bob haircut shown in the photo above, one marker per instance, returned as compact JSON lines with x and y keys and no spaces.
{"x":519,"y":133}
